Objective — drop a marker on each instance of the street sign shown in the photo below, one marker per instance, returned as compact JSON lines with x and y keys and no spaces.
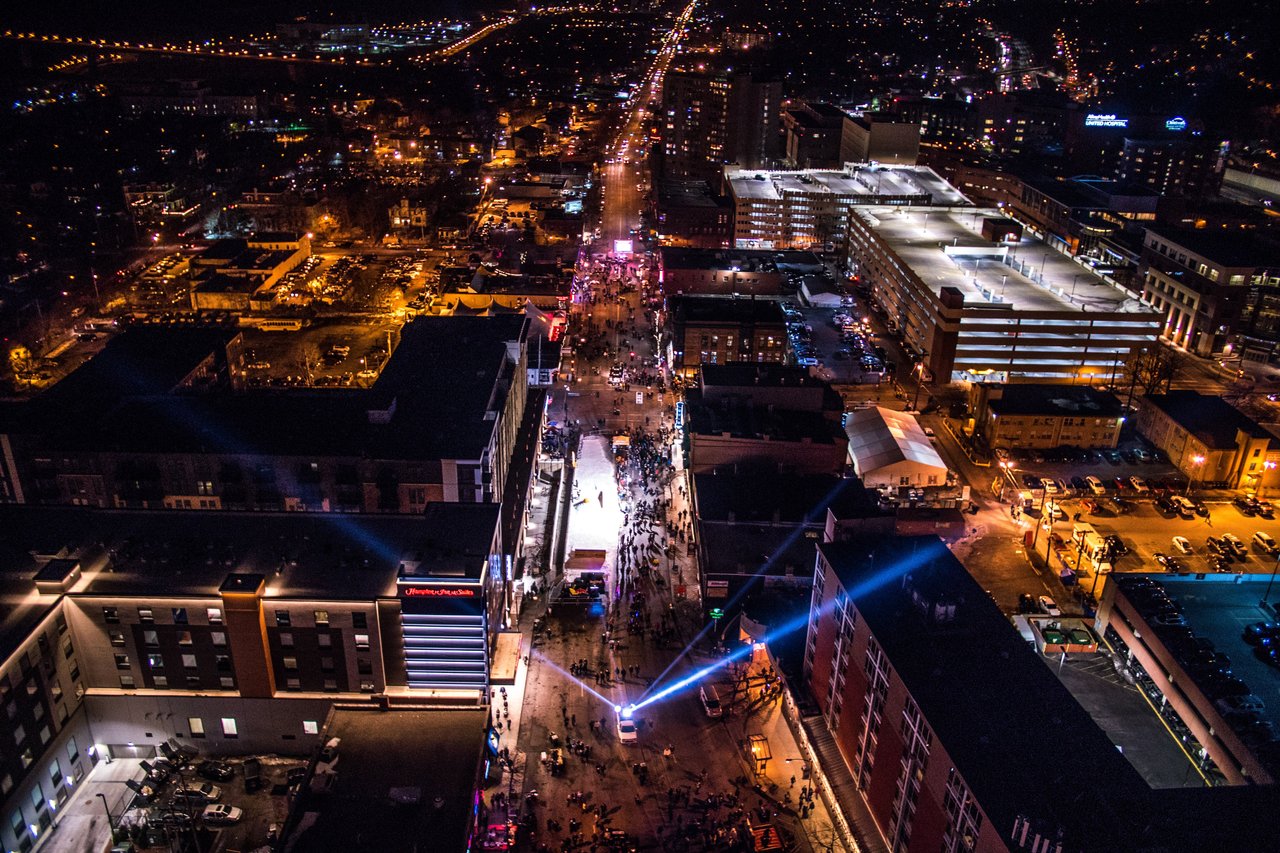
{"x":717,"y":613}
{"x":639,"y":398}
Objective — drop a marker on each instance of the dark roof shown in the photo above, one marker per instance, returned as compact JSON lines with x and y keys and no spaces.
{"x":673,"y":194}
{"x":434,"y":752}
{"x":1020,"y":740}
{"x":1069,"y":400}
{"x":223,"y":250}
{"x":1229,"y":247}
{"x":753,"y":260}
{"x":1211,"y":419}
{"x":716,"y":309}
{"x":441,"y":392}
{"x":752,"y":549}
{"x":774,"y":498}
{"x":275,"y":237}
{"x":763,"y":422}
{"x":186,"y":552}
{"x":219,"y":283}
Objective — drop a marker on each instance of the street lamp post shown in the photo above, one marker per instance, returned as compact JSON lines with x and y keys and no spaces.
{"x":1197,"y":461}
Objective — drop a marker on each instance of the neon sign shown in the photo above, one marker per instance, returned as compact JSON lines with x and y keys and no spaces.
{"x":1105,"y":120}
{"x":1175,"y":124}
{"x":440,"y":592}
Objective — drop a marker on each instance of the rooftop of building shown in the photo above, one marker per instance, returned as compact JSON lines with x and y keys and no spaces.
{"x":1216,"y":612}
{"x":1062,"y":400}
{"x":880,"y":437}
{"x":865,"y":180}
{"x":1018,"y":738}
{"x":743,"y":420}
{"x":749,"y":260}
{"x":748,"y":497}
{"x":486,"y":282}
{"x":424,"y":798}
{"x":1212,"y":420}
{"x":191,"y":553}
{"x":260,"y":237}
{"x":437,"y":398}
{"x":694,"y":310}
{"x":944,"y":247}
{"x":674,"y":194}
{"x":755,"y":549}
{"x":1230,"y":247}
{"x":221,"y":283}
{"x":223,"y":250}
{"x":260,"y":260}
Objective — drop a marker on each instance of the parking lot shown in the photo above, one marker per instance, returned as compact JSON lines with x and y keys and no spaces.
{"x":323,"y":354}
{"x":82,"y":822}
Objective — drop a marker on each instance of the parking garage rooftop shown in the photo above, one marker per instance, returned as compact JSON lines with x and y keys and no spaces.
{"x":866,"y":181}
{"x":946,"y":248}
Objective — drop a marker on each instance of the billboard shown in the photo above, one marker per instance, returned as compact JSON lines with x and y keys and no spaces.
{"x":622,"y":247}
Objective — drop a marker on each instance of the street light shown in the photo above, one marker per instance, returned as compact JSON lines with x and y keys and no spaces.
{"x":1197,"y":461}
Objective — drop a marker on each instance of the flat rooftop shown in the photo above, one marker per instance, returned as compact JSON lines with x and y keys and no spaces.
{"x":1211,"y":419}
{"x":406,"y":783}
{"x":1066,"y":400}
{"x":945,"y":248}
{"x":718,"y":309}
{"x":185,"y":552}
{"x":742,"y":499}
{"x":862,"y":181}
{"x":1218,"y":611}
{"x":751,"y":260}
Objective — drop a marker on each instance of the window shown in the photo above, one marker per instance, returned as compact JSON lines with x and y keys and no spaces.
{"x":111,"y":615}
{"x":366,"y":686}
{"x":184,"y":638}
{"x":67,"y":648}
{"x":55,"y":774}
{"x":56,"y":689}
{"x":222,"y":662}
{"x":229,"y":727}
{"x":19,"y":733}
{"x":146,"y":615}
{"x":326,"y":664}
{"x":161,"y":682}
{"x":155,"y":661}
{"x":150,"y":639}
{"x":62,"y":624}
{"x":291,"y":663}
{"x":214,"y":615}
{"x":286,"y":639}
{"x":364,"y":666}
{"x":219,"y":638}
{"x":310,"y":727}
{"x":189,"y":661}
{"x":331,"y":685}
{"x":292,"y":684}
{"x":282,"y":619}
{"x":195,"y":725}
{"x":126,"y":682}
{"x":122,"y":661}
{"x":226,"y":682}
{"x":322,"y":618}
{"x":179,"y":615}
{"x":27,"y":758}
{"x":325,"y":640}
{"x":193,"y":681}
{"x":72,"y":751}
{"x":360,"y":620}
{"x":362,"y":642}
{"x":117,"y":637}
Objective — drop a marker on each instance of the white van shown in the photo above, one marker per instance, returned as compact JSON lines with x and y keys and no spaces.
{"x":710,"y":701}
{"x":1264,"y":542}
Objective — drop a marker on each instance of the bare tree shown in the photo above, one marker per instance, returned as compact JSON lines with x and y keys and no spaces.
{"x":1154,"y":369}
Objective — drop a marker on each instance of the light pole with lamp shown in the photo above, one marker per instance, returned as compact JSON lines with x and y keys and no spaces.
{"x":1197,"y":461}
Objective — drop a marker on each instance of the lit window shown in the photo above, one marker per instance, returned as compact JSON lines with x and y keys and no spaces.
{"x":310,"y":727}
{"x":196,"y":726}
{"x":229,"y":727}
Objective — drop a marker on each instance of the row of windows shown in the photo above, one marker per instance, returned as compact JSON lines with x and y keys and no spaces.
{"x":213,"y":616}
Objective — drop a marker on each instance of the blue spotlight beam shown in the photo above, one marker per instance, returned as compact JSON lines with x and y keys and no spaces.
{"x":574,"y":679}
{"x":889,"y":574}
{"x":795,"y":534}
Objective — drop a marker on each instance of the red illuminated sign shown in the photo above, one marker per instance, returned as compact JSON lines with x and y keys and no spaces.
{"x":440,"y":592}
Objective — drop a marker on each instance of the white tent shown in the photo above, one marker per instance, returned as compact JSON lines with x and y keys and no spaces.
{"x":888,"y":448}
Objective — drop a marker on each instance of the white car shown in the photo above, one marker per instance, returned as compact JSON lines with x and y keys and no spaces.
{"x":221,"y":815}
{"x":1050,"y":487}
{"x":627,"y":732}
{"x":1139,"y":485}
{"x":1055,"y":511}
{"x":1048,"y":605}
{"x":1182,"y":544}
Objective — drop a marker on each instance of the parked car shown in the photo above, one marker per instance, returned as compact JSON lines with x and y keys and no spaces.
{"x":1095,"y":485}
{"x":1233,"y":542}
{"x":1246,"y":505}
{"x":1265,"y":509}
{"x":1182,"y":544}
{"x":197,"y":794}
{"x":1027,"y":603}
{"x":221,"y":815}
{"x":218,"y":771}
{"x":1263,"y":542}
{"x":1262,"y":633}
{"x":1139,"y":484}
{"x":1049,"y":606}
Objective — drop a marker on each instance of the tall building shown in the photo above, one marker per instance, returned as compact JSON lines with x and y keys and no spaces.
{"x":1171,"y":167}
{"x":236,"y":632}
{"x":818,"y":136}
{"x":714,"y":117}
{"x":883,"y":138}
{"x":955,"y":734}
{"x":1210,"y":285}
